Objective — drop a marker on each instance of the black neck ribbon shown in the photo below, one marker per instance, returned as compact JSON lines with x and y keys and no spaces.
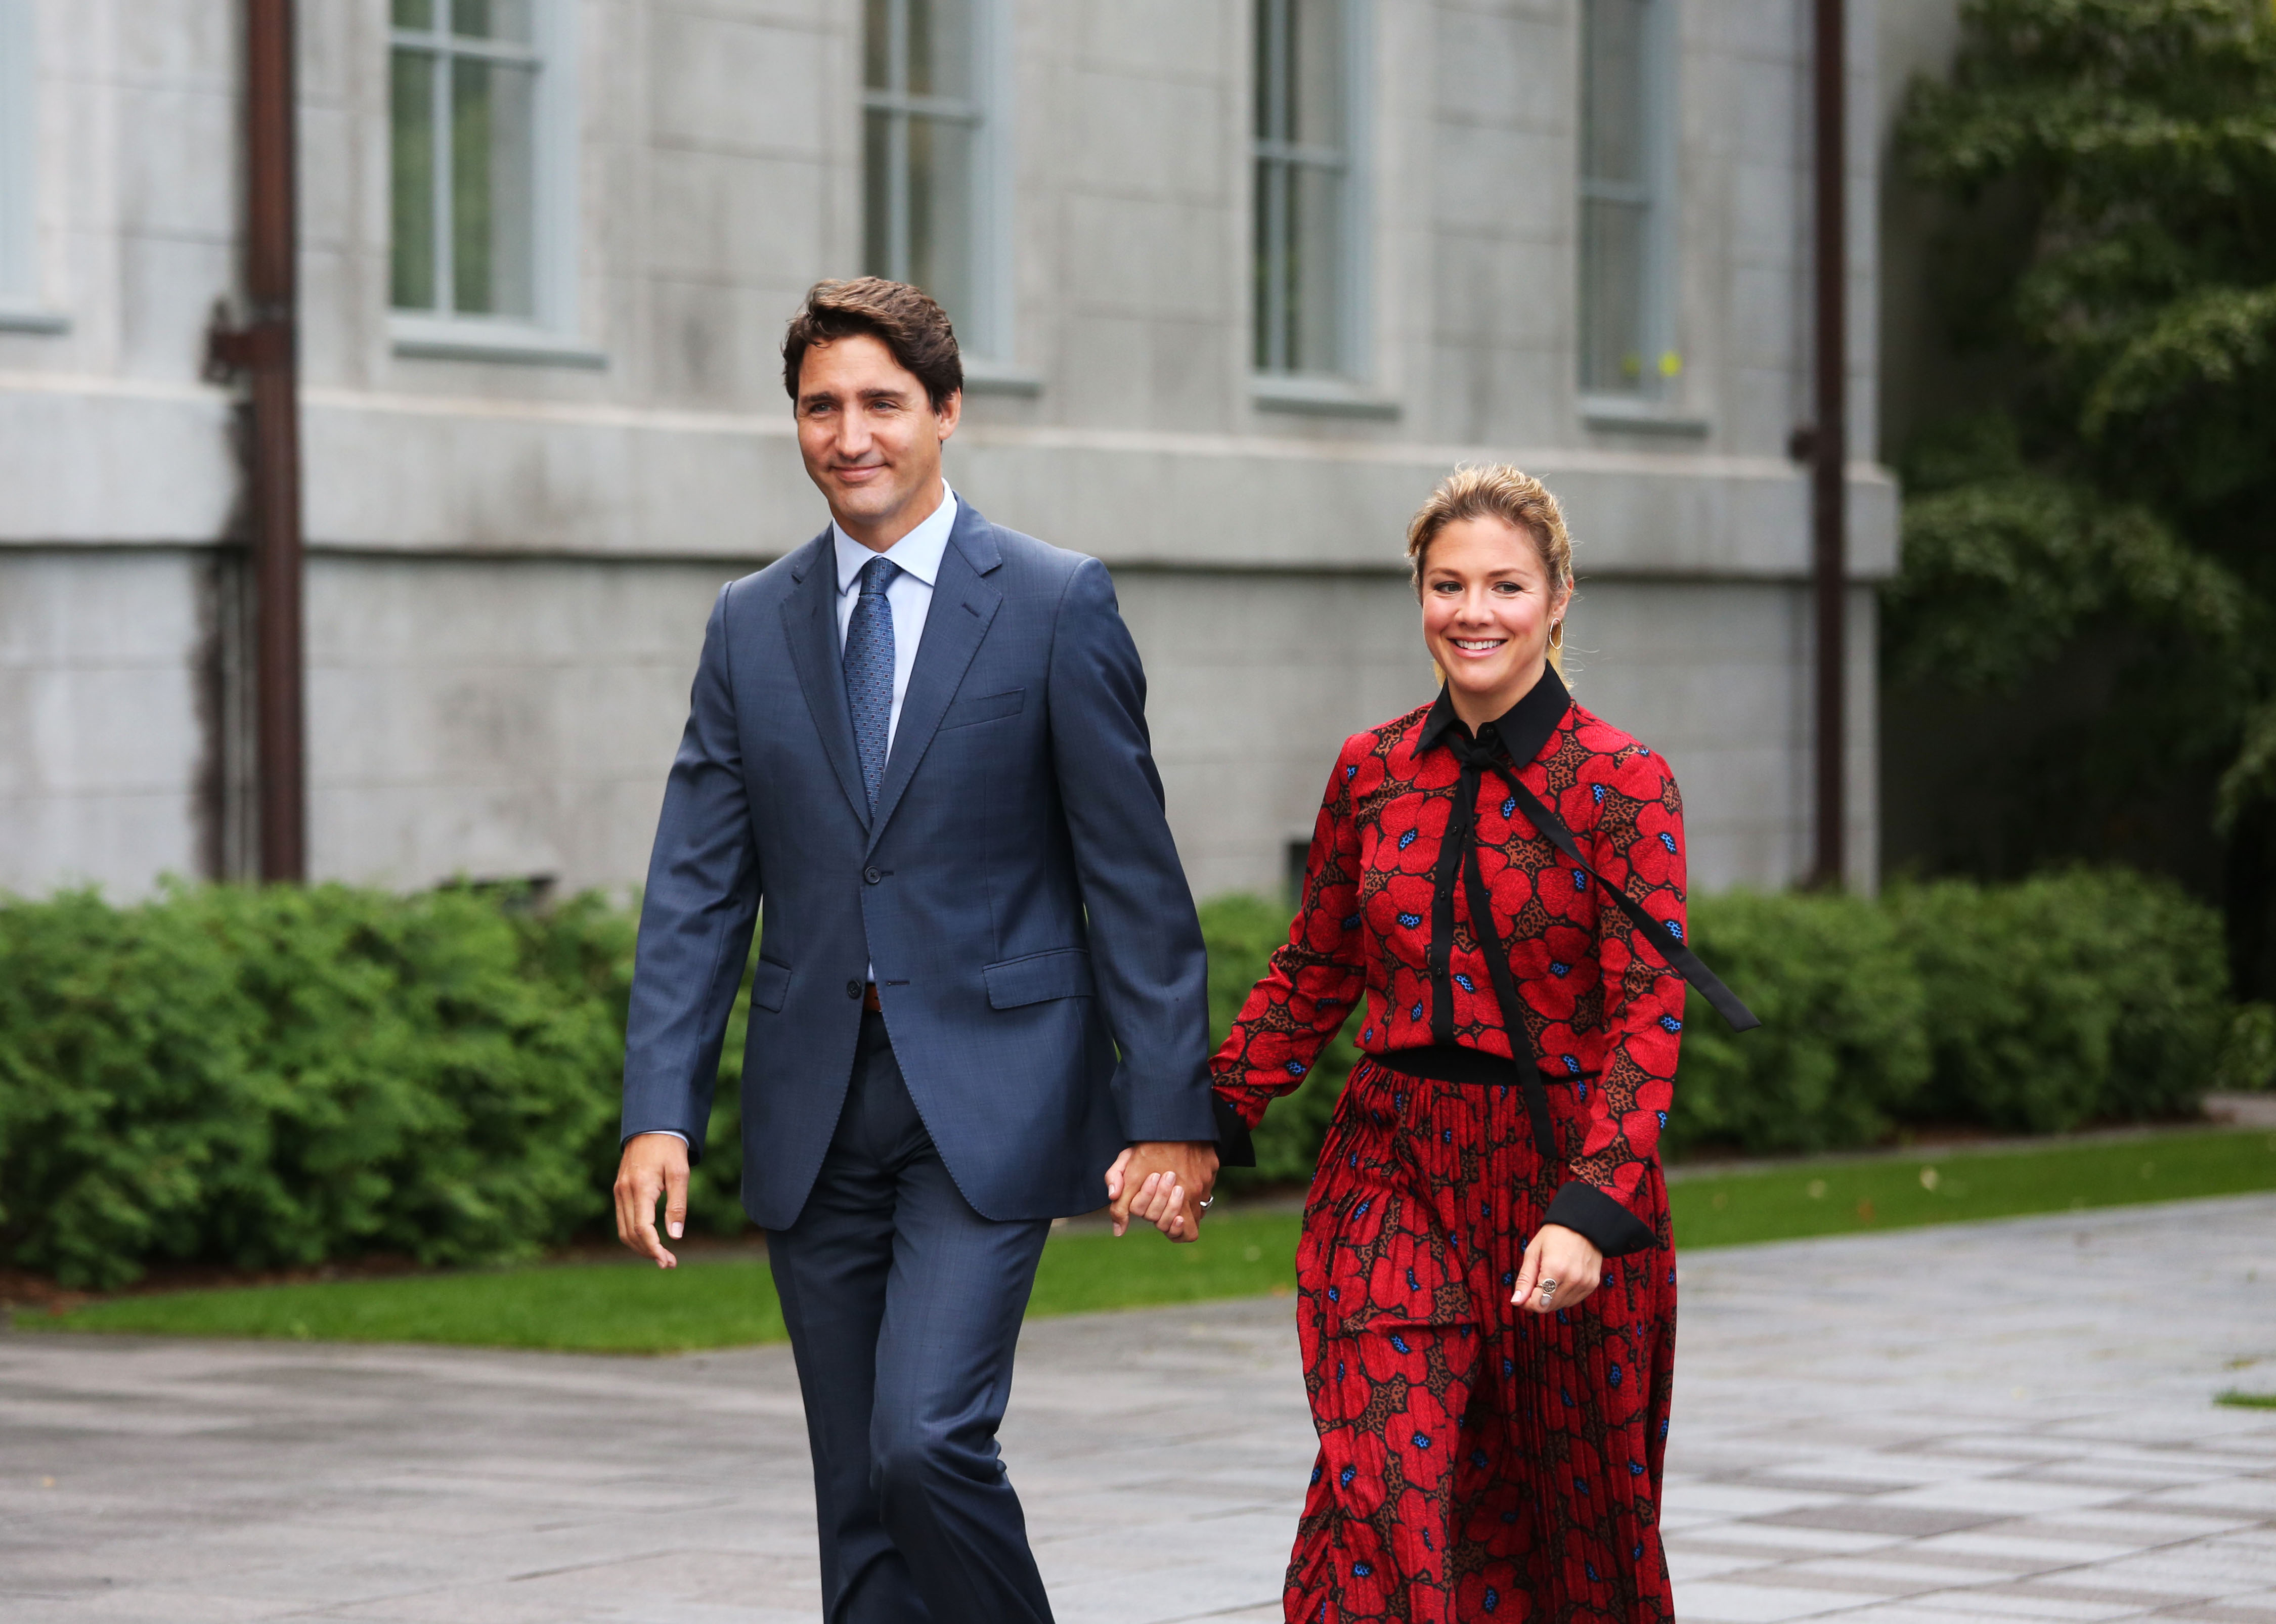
{"x":1489,"y":754}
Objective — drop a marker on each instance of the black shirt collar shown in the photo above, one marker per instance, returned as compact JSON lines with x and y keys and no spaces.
{"x":1521,"y":731}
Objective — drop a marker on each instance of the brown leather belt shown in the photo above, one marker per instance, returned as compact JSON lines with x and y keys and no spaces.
{"x":870,"y":1000}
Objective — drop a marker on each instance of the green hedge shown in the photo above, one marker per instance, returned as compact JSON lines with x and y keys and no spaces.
{"x":275,"y":1078}
{"x":1241,"y":933}
{"x":2088,"y":996}
{"x":1842,"y":1055}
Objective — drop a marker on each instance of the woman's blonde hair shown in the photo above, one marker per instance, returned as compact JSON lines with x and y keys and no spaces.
{"x":1496,"y":490}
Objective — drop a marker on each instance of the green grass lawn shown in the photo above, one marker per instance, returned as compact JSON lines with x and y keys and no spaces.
{"x":629,"y":1308}
{"x":626,"y":1308}
{"x":1839,"y":1196}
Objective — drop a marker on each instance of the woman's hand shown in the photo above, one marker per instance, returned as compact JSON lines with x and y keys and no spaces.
{"x":1562,"y":1266}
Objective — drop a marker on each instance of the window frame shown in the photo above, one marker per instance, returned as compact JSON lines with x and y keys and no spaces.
{"x":984,"y":331}
{"x":1659,"y":390}
{"x":548,"y":335}
{"x":1353,"y":326}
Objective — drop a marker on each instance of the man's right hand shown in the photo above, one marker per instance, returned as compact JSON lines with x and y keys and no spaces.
{"x":654,"y":1165}
{"x":1166,"y":1183}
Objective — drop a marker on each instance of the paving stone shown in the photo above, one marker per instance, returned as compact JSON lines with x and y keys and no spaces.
{"x":1847,"y":1445}
{"x":2010,"y":1605}
{"x":1720,"y":1601}
{"x":1686,"y":1563}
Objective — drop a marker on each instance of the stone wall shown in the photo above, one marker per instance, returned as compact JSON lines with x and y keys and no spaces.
{"x":511,"y":561}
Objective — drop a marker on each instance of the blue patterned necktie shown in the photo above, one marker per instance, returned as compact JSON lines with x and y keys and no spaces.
{"x":869,"y":673}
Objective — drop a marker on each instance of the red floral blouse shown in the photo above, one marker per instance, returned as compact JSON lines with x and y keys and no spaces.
{"x":1384,"y":919}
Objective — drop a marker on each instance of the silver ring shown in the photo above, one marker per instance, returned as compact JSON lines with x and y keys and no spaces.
{"x":1204,"y":1205}
{"x":1548,"y":1290}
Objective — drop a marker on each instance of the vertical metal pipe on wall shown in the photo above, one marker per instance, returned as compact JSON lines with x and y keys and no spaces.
{"x":269,"y":351}
{"x":1829,"y":440}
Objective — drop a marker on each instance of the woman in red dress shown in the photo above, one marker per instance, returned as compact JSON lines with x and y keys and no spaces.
{"x":1487,"y":1284}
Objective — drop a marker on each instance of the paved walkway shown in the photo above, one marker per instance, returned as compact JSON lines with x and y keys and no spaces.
{"x":1998,"y":1422}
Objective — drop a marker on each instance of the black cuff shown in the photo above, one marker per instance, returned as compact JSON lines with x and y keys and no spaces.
{"x":1606,"y":1224}
{"x":1234,"y":1148}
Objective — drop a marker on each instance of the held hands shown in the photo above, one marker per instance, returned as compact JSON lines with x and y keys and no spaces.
{"x":654,"y":1165}
{"x":1165,"y":1183}
{"x":1561,"y":1268}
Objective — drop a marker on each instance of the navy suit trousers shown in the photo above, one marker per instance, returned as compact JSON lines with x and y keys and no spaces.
{"x":904,"y":1307}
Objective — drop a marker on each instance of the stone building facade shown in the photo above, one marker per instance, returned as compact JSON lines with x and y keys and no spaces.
{"x":1240,"y":280}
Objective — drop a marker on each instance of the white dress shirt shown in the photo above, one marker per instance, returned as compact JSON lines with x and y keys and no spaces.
{"x":909,"y":597}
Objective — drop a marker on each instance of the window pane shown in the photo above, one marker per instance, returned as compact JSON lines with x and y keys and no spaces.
{"x":412,"y":113}
{"x":1614,"y":91}
{"x":1299,"y":267}
{"x":940,"y":212}
{"x":940,"y":48}
{"x":1315,"y":72}
{"x":1301,"y":201}
{"x":881,"y":255}
{"x":493,"y":189}
{"x":492,"y":19}
{"x":415,"y":13}
{"x":1612,"y":338}
{"x":1271,"y":25}
{"x":877,"y":44}
{"x":1271,"y":206}
{"x":1315,"y":270}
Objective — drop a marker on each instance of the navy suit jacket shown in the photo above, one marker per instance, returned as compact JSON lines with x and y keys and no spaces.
{"x":1035,"y":942}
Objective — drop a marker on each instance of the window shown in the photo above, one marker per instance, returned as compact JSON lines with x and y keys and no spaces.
{"x":1627,"y":160}
{"x":18,"y":256}
{"x":932,"y":149}
{"x":483,"y":152}
{"x":1308,"y":195}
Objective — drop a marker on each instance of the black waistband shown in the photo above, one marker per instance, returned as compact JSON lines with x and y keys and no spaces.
{"x":1454,"y":1063}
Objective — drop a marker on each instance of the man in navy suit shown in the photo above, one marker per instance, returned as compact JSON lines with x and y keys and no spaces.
{"x":919,"y":741}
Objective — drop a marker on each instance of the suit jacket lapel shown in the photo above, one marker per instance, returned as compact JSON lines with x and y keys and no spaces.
{"x":810,"y":622}
{"x":963,"y":604}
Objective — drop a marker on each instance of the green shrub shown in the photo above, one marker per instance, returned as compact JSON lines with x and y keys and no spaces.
{"x":1842,"y":1056}
{"x":1241,"y":932}
{"x":2248,"y":1058}
{"x":2078,"y":997}
{"x":279,"y":1077}
{"x":276,"y":1077}
{"x":2081,"y":995}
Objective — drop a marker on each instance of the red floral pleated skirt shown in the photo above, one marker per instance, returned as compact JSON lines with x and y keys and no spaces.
{"x":1476,"y":1462}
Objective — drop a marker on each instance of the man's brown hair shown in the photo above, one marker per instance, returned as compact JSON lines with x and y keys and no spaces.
{"x":906,"y":320}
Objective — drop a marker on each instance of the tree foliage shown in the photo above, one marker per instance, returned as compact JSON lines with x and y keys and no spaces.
{"x":2109,"y":167}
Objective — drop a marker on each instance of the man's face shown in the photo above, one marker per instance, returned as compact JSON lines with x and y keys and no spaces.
{"x":871,"y":437}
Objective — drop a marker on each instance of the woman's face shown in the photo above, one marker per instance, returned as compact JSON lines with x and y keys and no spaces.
{"x":1487,"y":608}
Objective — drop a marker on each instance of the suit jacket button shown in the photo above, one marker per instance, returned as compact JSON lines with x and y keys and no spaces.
{"x":853,"y":989}
{"x":872,"y":876}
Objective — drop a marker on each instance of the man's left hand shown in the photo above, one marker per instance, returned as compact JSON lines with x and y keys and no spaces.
{"x":1165,"y":1183}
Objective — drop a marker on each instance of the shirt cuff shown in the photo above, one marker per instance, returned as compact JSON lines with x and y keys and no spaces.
{"x":1234,"y":1147}
{"x":1602,"y":1222}
{"x":681,"y":1137}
